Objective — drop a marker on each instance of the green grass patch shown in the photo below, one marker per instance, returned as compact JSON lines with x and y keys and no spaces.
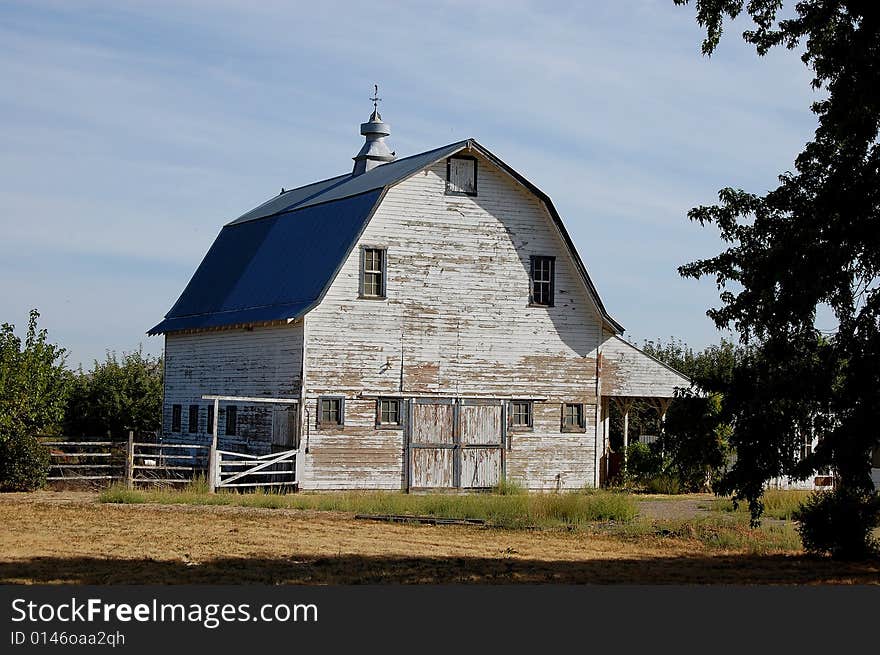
{"x":723,"y":534}
{"x":510,"y":507}
{"x":778,"y":503}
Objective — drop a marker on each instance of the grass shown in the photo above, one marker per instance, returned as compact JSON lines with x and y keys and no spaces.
{"x":508,"y":507}
{"x":721,"y":534}
{"x":778,"y":503}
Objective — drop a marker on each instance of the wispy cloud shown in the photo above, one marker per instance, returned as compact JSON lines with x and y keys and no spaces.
{"x":133,"y":131}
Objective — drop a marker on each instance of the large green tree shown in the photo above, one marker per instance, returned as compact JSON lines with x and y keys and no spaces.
{"x":33,"y":390}
{"x":117,"y":395}
{"x":812,"y":242}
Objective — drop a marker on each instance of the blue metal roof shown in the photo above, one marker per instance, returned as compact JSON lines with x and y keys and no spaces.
{"x":270,"y":269}
{"x":345,"y":186}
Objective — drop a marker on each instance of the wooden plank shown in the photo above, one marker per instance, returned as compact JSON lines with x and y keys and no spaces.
{"x":167,"y":468}
{"x":254,"y":399}
{"x":86,"y":477}
{"x":261,"y":484}
{"x":84,"y":466}
{"x":80,"y":454}
{"x":432,"y":468}
{"x":480,"y":424}
{"x":480,"y":467}
{"x":432,"y":423}
{"x":406,"y":518}
{"x":171,"y":445}
{"x":82,"y":443}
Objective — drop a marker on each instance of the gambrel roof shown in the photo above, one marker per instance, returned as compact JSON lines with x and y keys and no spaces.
{"x":250,"y":276}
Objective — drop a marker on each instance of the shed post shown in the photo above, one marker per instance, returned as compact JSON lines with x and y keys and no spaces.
{"x":129,"y":460}
{"x":213,"y":473}
{"x":625,"y":432}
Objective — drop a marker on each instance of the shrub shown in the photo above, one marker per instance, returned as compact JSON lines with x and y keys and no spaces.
{"x":840,"y":523}
{"x":24,"y":463}
{"x":663,"y":483}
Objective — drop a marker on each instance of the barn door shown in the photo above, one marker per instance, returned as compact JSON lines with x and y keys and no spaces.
{"x":284,"y":428}
{"x":481,"y":435}
{"x":432,"y":443}
{"x":455,"y":443}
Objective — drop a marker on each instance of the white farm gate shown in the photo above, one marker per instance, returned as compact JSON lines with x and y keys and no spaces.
{"x":231,"y":470}
{"x":237,"y":470}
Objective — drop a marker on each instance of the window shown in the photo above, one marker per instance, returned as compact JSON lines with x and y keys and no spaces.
{"x":806,"y":446}
{"x":388,"y":412}
{"x":175,"y":418}
{"x":330,"y":411}
{"x":461,"y":176}
{"x":231,"y":420}
{"x":193,"y":419}
{"x":209,"y":428}
{"x":520,"y":414}
{"x":373,"y":272}
{"x":573,"y":417}
{"x":543,"y":273}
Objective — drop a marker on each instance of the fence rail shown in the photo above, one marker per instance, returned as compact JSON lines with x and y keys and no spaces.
{"x":141,"y":463}
{"x":137,"y":463}
{"x":240,"y":470}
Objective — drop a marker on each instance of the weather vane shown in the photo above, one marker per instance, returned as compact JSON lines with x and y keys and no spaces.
{"x":376,"y":99}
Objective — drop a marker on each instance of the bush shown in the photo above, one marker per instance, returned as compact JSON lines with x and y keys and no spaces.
{"x":663,"y":483}
{"x":840,"y":523}
{"x":24,"y":463}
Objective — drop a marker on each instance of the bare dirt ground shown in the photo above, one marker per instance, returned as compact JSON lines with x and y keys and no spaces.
{"x":68,"y":537}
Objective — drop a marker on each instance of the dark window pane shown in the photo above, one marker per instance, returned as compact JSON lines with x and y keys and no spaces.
{"x":522,"y":414}
{"x":331,"y":411}
{"x":209,"y":427}
{"x":176,"y":411}
{"x":542,"y":280}
{"x":573,"y":415}
{"x":231,"y":420}
{"x":374,"y":269}
{"x":389,"y":411}
{"x":193,"y":419}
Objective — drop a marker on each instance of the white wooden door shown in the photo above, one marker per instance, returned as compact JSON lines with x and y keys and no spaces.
{"x":455,"y":443}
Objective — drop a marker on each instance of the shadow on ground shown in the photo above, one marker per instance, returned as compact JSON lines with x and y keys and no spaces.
{"x":355,"y":569}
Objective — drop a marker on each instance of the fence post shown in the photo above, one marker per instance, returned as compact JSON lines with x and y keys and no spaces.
{"x":129,"y":460}
{"x":213,"y":472}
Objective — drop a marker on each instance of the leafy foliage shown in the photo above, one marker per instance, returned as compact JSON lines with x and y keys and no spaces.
{"x":812,"y":242}
{"x":117,"y":395}
{"x":33,"y":389}
{"x":833,"y":522}
{"x":24,"y":463}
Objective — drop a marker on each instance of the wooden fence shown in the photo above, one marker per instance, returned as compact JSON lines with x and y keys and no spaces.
{"x":135,"y":462}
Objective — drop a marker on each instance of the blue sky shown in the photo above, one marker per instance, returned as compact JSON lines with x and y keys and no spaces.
{"x":132,"y":131}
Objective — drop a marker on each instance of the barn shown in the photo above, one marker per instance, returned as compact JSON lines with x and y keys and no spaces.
{"x":423,"y":322}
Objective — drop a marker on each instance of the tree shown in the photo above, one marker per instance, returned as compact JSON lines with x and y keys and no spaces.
{"x":33,"y":389}
{"x":117,"y":395}
{"x":812,"y":242}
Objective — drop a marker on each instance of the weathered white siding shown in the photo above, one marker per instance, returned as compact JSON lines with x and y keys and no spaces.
{"x":456,"y":323}
{"x":627,"y":371}
{"x":260,"y":362}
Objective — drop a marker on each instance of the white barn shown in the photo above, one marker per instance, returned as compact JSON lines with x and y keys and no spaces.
{"x":430,"y":315}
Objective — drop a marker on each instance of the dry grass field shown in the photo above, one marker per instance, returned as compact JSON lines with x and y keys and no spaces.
{"x":52,"y":537}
